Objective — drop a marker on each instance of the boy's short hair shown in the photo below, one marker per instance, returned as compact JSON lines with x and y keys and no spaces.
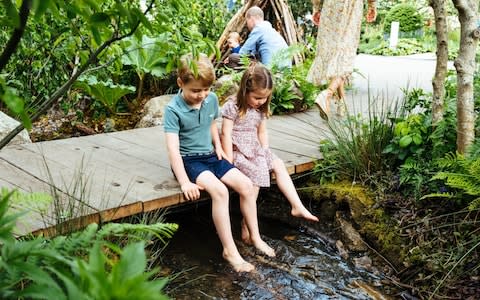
{"x":255,"y":12}
{"x":200,"y":68}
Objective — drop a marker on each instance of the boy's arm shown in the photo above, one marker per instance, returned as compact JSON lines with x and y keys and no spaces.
{"x":263,"y":134}
{"x":217,"y":144}
{"x":227,"y":126}
{"x":189,"y":189}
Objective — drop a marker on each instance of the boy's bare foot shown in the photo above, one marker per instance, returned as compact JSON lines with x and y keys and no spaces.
{"x":264,"y":248}
{"x":238,"y":263}
{"x":303,"y":213}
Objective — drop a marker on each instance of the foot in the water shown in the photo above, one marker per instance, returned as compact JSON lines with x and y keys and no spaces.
{"x":238,"y":263}
{"x":264,"y":248}
{"x":303,"y":213}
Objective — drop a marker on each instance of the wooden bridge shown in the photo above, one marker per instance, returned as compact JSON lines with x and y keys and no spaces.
{"x":104,"y":177}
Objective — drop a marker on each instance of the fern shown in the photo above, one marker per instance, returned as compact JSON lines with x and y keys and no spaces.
{"x":465,"y":177}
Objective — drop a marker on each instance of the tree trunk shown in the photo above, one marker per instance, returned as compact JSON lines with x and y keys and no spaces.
{"x":438,"y":82}
{"x":465,"y":66}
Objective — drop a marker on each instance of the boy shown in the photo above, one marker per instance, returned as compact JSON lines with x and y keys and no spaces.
{"x":195,"y":154}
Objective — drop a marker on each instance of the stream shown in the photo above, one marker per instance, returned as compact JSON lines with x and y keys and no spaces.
{"x":307,"y":263}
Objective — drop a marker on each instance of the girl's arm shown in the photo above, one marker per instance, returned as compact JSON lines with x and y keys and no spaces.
{"x":263,"y":134}
{"x":216,"y":140}
{"x":189,"y":189}
{"x":227,"y":127}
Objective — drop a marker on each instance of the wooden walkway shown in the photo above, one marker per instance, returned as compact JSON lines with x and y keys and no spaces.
{"x":110,"y":176}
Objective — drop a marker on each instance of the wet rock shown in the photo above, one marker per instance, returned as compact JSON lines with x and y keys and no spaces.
{"x":363,"y":262}
{"x":352,"y":237}
{"x":8,"y":124}
{"x":153,"y":111}
{"x":341,"y":249}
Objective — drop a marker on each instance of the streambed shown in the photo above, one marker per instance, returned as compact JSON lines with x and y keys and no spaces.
{"x":307,"y":263}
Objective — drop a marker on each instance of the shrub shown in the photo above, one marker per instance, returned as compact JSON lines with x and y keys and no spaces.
{"x":408,"y":16}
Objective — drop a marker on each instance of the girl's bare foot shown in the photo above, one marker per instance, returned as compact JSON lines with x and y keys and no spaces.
{"x":238,"y":263}
{"x":302,"y":212}
{"x":264,"y":248}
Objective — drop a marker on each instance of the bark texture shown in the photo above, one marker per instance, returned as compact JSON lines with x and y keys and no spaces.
{"x":466,"y":66}
{"x":438,"y":82}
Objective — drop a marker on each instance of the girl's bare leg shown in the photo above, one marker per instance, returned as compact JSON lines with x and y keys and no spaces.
{"x":248,"y":206}
{"x":245,"y":232}
{"x":286,"y":186}
{"x":221,"y":218}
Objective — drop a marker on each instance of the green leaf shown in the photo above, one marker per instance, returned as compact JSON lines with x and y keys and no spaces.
{"x":100,"y":18}
{"x":417,"y":139}
{"x":13,"y":19}
{"x":405,"y":141}
{"x":40,"y":7}
{"x":96,"y":35}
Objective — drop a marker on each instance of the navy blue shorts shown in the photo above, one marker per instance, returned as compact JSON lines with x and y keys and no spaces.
{"x":196,"y":164}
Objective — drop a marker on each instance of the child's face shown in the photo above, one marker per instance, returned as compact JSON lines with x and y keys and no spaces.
{"x":194,"y":92}
{"x":232,"y":42}
{"x":257,"y":98}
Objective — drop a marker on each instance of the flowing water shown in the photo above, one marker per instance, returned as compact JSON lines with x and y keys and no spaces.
{"x":307,"y":264}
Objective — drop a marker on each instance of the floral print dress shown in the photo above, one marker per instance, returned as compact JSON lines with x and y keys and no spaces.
{"x":337,"y":40}
{"x":248,"y":155}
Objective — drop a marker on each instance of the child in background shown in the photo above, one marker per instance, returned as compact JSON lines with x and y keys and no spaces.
{"x":195,"y":153}
{"x":245,"y":138}
{"x":234,"y":41}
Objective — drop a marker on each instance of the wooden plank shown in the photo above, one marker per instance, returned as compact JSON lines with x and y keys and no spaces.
{"x":297,"y":127}
{"x":124,"y":145}
{"x":68,"y":226}
{"x":121,"y":211}
{"x":132,"y":163}
{"x":68,"y":175}
{"x":280,"y":142}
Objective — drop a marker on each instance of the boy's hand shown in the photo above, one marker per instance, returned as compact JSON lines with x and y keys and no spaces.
{"x":191,"y":191}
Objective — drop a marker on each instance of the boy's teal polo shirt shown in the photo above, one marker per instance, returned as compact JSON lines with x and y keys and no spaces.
{"x":192,"y":125}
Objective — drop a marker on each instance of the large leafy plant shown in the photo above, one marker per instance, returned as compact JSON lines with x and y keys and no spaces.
{"x":148,"y":56}
{"x":85,"y":265}
{"x":106,"y":92}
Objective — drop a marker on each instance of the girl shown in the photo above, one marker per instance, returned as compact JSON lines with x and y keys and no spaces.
{"x":245,"y":138}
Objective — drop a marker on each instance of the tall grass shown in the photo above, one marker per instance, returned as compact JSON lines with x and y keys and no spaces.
{"x":358,"y":142}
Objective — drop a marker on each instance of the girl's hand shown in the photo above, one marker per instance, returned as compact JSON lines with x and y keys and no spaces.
{"x":191,"y":191}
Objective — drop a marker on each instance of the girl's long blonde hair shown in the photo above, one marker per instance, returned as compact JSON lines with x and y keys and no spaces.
{"x":256,"y":77}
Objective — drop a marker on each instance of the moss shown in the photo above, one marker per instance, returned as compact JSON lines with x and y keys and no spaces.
{"x":377,"y":228}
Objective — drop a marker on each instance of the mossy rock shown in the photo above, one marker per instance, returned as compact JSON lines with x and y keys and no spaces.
{"x":375,"y":225}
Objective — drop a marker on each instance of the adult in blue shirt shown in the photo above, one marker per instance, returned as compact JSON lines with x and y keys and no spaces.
{"x":263,"y":41}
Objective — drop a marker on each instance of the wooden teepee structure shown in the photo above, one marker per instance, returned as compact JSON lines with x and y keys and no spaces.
{"x":276,"y":11}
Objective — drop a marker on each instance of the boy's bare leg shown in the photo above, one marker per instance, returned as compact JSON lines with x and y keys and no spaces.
{"x":221,"y":218}
{"x":248,"y":205}
{"x":286,"y":186}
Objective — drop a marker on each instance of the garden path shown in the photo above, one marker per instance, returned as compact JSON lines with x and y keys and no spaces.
{"x":108,"y":176}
